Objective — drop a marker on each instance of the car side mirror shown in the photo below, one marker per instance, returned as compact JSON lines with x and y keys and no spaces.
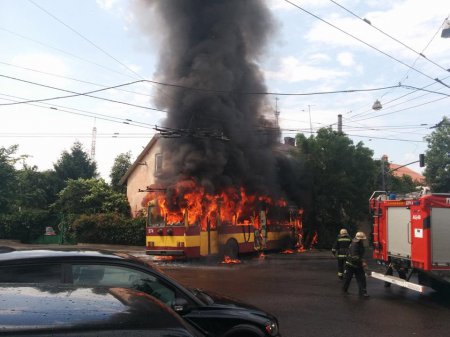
{"x":180,"y":305}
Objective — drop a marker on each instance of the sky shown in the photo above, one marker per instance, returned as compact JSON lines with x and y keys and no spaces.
{"x":323,"y":60}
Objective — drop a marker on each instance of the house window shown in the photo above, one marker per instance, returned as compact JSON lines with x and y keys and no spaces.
{"x":158,"y":163}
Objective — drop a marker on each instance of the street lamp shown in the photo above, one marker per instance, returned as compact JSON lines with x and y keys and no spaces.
{"x":377,"y":105}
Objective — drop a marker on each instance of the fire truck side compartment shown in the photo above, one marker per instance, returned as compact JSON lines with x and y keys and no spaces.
{"x":440,"y":236}
{"x":399,"y":241}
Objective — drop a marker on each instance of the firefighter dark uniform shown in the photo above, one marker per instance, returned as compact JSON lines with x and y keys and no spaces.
{"x":340,"y":249}
{"x":355,"y":265}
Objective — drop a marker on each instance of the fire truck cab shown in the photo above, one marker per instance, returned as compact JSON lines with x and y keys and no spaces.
{"x":412,"y":233}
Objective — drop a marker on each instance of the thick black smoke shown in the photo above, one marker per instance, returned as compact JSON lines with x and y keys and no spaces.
{"x":216,"y":45}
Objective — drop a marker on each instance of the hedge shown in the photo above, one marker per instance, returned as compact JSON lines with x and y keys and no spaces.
{"x":109,"y":228}
{"x":26,"y":225}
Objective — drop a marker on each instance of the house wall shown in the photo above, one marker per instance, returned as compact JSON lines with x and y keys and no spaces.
{"x":142,"y":176}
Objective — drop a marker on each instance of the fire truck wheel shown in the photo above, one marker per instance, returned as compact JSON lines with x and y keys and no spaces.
{"x":231,"y":249}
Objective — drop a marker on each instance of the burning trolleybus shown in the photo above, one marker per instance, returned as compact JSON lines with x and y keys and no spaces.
{"x":196,"y":224}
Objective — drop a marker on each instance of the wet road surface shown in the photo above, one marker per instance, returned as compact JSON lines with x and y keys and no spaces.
{"x":304,"y":293}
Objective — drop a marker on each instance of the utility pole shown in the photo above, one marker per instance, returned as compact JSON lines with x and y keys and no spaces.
{"x":310,"y":123}
{"x":383,"y":172}
{"x":94,"y":137}
{"x":277,"y":115}
{"x":277,"y":112}
{"x":340,"y":123}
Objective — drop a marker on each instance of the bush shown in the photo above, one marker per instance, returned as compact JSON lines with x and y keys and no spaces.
{"x":25,"y":226}
{"x":109,"y":228}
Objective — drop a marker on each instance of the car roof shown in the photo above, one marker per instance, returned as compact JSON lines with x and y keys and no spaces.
{"x":37,"y":307}
{"x":28,"y":254}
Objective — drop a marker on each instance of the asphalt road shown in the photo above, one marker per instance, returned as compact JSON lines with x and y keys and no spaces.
{"x":303,"y":291}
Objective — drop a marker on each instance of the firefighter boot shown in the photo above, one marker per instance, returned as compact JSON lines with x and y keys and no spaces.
{"x":364,"y":294}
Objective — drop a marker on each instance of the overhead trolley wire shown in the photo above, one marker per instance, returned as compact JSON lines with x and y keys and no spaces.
{"x":85,"y":113}
{"x":73,"y":79}
{"x":420,"y":54}
{"x":84,"y":38}
{"x":93,"y":44}
{"x":66,"y":53}
{"x":366,"y":43}
{"x":88,"y":93}
{"x":75,"y":94}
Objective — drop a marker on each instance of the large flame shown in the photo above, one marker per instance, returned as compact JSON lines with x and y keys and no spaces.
{"x":187,"y":202}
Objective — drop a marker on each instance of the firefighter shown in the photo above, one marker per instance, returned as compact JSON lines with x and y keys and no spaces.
{"x":356,"y":265}
{"x":340,"y":249}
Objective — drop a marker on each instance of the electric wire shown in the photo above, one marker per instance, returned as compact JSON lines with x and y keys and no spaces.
{"x":88,"y":93}
{"x":367,"y":112}
{"x":76,"y":94}
{"x":408,"y":108}
{"x":386,"y":104}
{"x":366,"y":43}
{"x":73,"y":79}
{"x":85,"y":38}
{"x":66,"y":53}
{"x":420,"y":54}
{"x":85,"y":113}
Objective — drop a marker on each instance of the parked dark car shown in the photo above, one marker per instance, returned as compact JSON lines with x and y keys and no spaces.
{"x":64,"y":310}
{"x":216,"y":315}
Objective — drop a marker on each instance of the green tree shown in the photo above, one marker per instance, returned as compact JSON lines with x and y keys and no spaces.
{"x":341,"y":176}
{"x":35,"y":189}
{"x":90,"y":196}
{"x":121,"y":165}
{"x":7,"y":177}
{"x":75,"y":164}
{"x":404,"y":184}
{"x":437,"y":158}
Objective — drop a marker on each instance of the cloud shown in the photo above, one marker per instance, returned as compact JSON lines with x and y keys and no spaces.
{"x":107,"y":4}
{"x":292,"y":69}
{"x":346,"y":59}
{"x":40,"y":63}
{"x":283,"y":5}
{"x":411,"y":22}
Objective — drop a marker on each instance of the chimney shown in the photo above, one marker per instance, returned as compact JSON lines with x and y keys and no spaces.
{"x":289,"y":141}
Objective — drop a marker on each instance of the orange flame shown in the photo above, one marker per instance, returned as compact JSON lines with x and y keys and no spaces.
{"x":229,"y":260}
{"x":314,"y":240}
{"x":188,"y":203}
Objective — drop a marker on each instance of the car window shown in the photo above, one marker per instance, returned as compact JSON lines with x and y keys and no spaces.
{"x":114,"y":276}
{"x":42,"y":273}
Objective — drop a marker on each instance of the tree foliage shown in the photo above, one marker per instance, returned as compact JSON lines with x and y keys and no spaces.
{"x":35,"y":189}
{"x":90,"y":196}
{"x":75,"y":164}
{"x":7,"y":177}
{"x":341,"y":178}
{"x":121,"y":165}
{"x":437,"y":158}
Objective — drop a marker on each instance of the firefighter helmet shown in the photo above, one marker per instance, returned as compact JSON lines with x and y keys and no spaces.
{"x":360,"y":236}
{"x":343,"y":231}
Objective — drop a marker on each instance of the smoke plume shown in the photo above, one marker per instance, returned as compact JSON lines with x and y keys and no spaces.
{"x":212,"y":48}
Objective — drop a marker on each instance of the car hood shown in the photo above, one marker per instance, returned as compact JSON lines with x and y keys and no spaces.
{"x":222,"y":303}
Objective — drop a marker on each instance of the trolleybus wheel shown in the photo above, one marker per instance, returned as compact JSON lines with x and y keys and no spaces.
{"x":231,"y":249}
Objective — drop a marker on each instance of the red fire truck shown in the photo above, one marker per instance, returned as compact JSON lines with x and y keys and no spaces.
{"x":412,"y":234}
